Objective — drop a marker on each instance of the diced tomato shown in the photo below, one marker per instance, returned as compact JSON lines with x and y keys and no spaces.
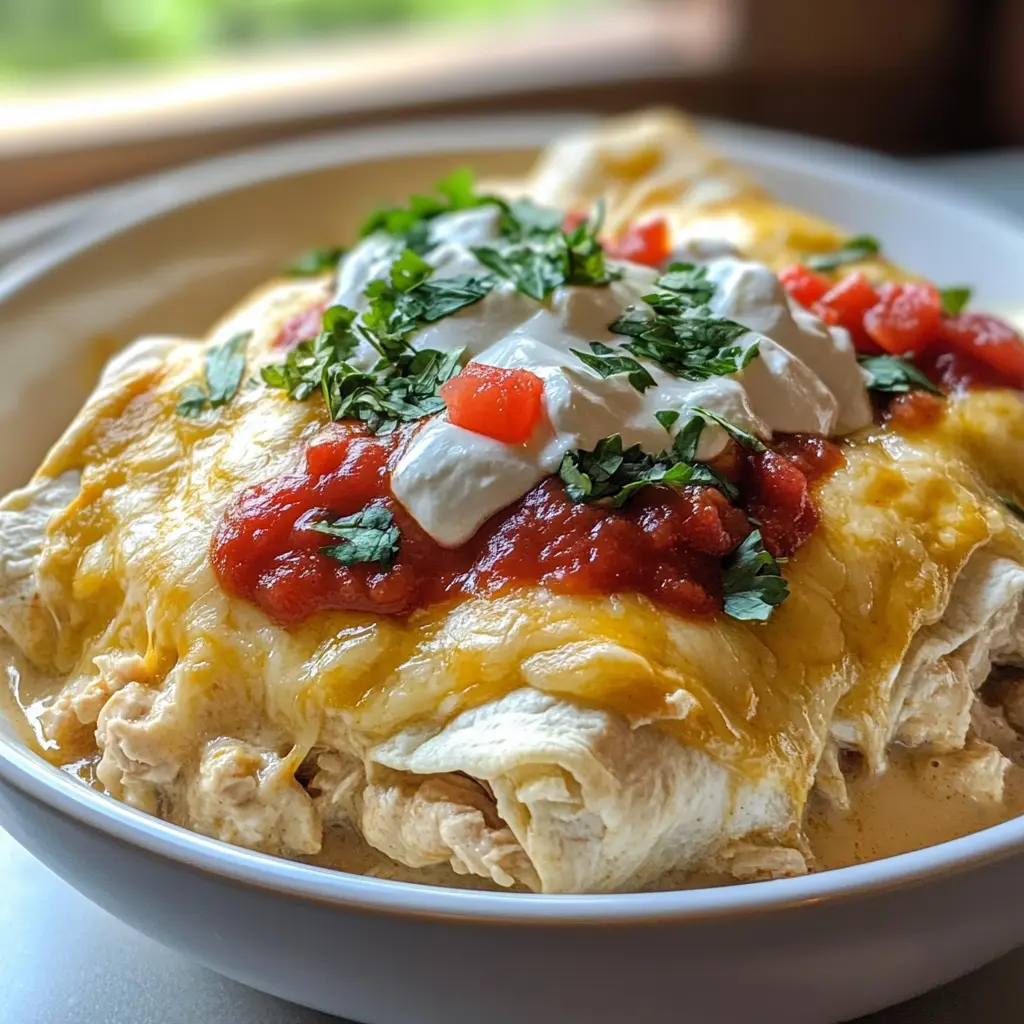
{"x":989,"y":339}
{"x":845,"y":305}
{"x":491,"y":400}
{"x":300,"y":326}
{"x":649,"y":243}
{"x":906,"y":318}
{"x":804,"y":285}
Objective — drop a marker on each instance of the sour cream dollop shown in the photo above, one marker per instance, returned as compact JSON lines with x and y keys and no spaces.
{"x":804,"y":379}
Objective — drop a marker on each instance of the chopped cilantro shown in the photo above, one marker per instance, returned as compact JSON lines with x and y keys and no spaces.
{"x":853,"y":250}
{"x":368,"y":536}
{"x":403,"y":384}
{"x":302,"y":372}
{"x":613,"y":473}
{"x":522,"y":219}
{"x":954,"y":300}
{"x":680,"y":332}
{"x":535,"y":272}
{"x":895,"y":374}
{"x":604,"y":361}
{"x":537,"y":256}
{"x":411,"y":223}
{"x":742,"y":437}
{"x":667,"y":418}
{"x":753,"y":583}
{"x":223,"y":370}
{"x":315,"y":261}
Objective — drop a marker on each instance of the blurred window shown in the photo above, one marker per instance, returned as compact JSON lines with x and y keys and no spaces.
{"x":40,"y":39}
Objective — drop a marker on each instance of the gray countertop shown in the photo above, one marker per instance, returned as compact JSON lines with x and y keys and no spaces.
{"x":67,"y":962}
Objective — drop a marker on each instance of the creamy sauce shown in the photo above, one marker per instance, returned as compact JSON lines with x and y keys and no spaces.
{"x":915,"y":803}
{"x":805,"y":378}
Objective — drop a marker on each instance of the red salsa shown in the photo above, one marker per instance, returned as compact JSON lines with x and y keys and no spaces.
{"x":667,"y":544}
{"x":957,"y":352}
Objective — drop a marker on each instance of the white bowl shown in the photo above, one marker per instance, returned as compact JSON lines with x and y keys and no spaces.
{"x":171,"y":254}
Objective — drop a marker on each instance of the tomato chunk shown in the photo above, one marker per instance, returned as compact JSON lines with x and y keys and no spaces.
{"x":649,"y":243}
{"x":804,"y":285}
{"x":989,"y":339}
{"x":845,"y":304}
{"x":491,"y":400}
{"x":906,"y":318}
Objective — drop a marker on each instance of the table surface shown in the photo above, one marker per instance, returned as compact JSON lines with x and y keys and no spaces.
{"x":110,"y":974}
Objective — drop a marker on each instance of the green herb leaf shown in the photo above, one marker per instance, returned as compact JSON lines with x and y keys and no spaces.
{"x":1013,"y":505}
{"x":853,"y":250}
{"x":224,"y":367}
{"x":315,"y":261}
{"x":522,"y":219}
{"x":954,"y":300}
{"x":403,"y":385}
{"x":368,"y":536}
{"x":607,"y":363}
{"x":689,"y":282}
{"x":614,"y":474}
{"x":409,"y":270}
{"x":667,"y":418}
{"x":742,"y":437}
{"x":538,"y":257}
{"x":895,"y":374}
{"x":535,"y":272}
{"x":411,"y":223}
{"x":685,"y":444}
{"x":753,"y":583}
{"x":691,"y":343}
{"x":302,"y":372}
{"x":192,"y":401}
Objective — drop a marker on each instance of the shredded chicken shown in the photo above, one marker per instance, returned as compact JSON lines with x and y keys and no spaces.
{"x":249,"y":796}
{"x":137,"y":734}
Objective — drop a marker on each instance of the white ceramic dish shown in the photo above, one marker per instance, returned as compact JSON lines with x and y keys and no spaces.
{"x":168,"y":256}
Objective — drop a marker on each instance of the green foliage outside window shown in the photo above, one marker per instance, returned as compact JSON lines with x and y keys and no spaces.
{"x":41,"y":38}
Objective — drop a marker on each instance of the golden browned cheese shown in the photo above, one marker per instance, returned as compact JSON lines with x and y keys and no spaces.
{"x":128,"y":569}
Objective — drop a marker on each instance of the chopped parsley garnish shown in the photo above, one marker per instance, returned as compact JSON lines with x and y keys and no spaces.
{"x":537,"y":256}
{"x":302,"y":372}
{"x":522,"y":219}
{"x":753,"y":583}
{"x":1013,"y":505}
{"x":607,"y":362}
{"x":410,"y":299}
{"x":403,"y":384}
{"x":411,"y":223}
{"x":853,"y":250}
{"x":680,"y":332}
{"x":954,"y":300}
{"x":368,"y":536}
{"x":614,"y":474}
{"x":895,"y":374}
{"x":393,"y":392}
{"x":315,"y":261}
{"x":223,"y":370}
{"x":742,"y":437}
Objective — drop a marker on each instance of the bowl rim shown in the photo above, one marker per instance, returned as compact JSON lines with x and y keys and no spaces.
{"x":132,"y":204}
